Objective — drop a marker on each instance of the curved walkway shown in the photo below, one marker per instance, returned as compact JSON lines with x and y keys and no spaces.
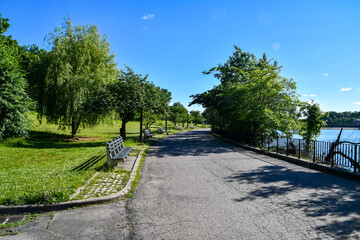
{"x":194,"y":186}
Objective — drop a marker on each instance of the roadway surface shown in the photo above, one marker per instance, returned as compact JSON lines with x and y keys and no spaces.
{"x":194,"y":186}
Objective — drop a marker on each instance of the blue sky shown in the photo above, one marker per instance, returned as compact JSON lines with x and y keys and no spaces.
{"x":317,"y":42}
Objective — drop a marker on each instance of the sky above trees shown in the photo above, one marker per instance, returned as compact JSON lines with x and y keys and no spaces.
{"x":317,"y":42}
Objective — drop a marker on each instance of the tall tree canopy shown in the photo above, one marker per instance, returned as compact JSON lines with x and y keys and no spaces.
{"x":156,"y":103}
{"x":34,"y":62}
{"x":14,"y":101}
{"x":80,"y":65}
{"x":130,"y":93}
{"x":252,"y":97}
{"x":126,"y":96}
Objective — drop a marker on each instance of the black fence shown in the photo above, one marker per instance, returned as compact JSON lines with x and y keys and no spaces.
{"x":343,"y":155}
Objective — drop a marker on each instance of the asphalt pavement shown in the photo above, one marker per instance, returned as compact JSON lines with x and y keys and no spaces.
{"x":194,"y":186}
{"x":100,"y":222}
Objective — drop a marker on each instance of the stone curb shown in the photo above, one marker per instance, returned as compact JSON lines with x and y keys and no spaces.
{"x":300,"y":162}
{"x":74,"y":203}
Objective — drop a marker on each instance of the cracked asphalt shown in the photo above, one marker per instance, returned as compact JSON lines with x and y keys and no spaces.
{"x":100,"y":222}
{"x":194,"y":186}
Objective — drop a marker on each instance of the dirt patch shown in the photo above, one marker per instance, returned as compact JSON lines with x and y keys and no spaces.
{"x":80,"y":139}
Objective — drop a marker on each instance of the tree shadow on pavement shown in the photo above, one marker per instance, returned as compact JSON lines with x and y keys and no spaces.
{"x":192,"y":143}
{"x":328,"y":196}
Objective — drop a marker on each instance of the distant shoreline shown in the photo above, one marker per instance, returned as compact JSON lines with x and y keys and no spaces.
{"x":348,"y":128}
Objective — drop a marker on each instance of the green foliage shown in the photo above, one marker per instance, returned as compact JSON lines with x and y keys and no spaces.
{"x":196,"y":117}
{"x":14,"y":101}
{"x":35,"y":62}
{"x":131,"y":93}
{"x":156,"y":104}
{"x":80,"y":66}
{"x":312,"y":122}
{"x":178,"y":113}
{"x":252,"y":98}
{"x":126,"y":96}
{"x":4,"y":24}
{"x":341,"y":117}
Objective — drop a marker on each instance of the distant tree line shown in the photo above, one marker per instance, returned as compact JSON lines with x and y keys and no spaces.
{"x":341,"y":117}
{"x":75,"y":84}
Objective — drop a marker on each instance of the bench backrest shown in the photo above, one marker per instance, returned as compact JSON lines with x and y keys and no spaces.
{"x":147,"y":132}
{"x":115,"y":146}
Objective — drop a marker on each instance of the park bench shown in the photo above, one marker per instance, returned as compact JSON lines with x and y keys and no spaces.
{"x":178,"y":128}
{"x":161,"y":130}
{"x":116,"y":151}
{"x":147,"y":133}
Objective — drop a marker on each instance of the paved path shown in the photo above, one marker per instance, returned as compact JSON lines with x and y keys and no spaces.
{"x":101,"y":222}
{"x":194,"y":186}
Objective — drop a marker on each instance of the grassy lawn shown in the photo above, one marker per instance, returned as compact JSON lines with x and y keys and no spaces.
{"x":48,"y":167}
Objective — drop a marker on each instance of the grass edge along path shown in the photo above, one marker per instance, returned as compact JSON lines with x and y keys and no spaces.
{"x":47,"y":168}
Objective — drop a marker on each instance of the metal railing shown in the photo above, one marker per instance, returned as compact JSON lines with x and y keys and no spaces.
{"x":345,"y":154}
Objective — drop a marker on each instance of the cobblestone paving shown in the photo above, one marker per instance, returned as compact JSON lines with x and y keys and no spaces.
{"x":104,"y":184}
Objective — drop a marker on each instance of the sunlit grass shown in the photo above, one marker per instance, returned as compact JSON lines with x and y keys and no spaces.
{"x":47,"y":167}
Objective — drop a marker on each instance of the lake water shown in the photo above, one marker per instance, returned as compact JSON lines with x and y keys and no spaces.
{"x":330,"y":135}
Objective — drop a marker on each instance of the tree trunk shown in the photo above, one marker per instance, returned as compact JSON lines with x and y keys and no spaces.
{"x":74,"y":128}
{"x":123,"y":129}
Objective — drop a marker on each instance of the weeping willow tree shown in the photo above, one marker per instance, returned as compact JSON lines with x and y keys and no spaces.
{"x":80,"y":67}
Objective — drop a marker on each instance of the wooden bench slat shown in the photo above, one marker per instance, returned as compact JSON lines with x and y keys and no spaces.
{"x":116,"y":150}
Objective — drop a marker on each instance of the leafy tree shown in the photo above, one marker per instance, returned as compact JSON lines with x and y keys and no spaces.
{"x":156,"y":103}
{"x":126,"y":94}
{"x":196,"y":116}
{"x":178,"y":113}
{"x":312,"y":123}
{"x":252,"y":97}
{"x":14,"y":102}
{"x":35,"y":63}
{"x":80,"y":65}
{"x":4,"y":24}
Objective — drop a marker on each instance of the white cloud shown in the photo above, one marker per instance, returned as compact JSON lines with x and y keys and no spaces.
{"x":147,"y":16}
{"x":305,"y":95}
{"x":276,"y":46}
{"x":312,"y":95}
{"x":309,"y":95}
{"x":326,"y":74}
{"x":345,"y":89}
{"x":356,"y":103}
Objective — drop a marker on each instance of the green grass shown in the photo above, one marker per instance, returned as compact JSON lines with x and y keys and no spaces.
{"x":48,"y":167}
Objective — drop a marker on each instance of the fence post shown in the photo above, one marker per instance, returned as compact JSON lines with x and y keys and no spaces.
{"x":299,"y":148}
{"x":314,"y":151}
{"x":355,"y":157}
{"x":277,"y":144}
{"x":332,"y":160}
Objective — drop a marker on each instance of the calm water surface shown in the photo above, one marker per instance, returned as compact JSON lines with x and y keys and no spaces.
{"x":330,"y":135}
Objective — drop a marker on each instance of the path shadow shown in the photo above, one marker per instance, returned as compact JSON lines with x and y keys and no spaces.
{"x":330,"y":196}
{"x":88,"y":163}
{"x":191,"y":143}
